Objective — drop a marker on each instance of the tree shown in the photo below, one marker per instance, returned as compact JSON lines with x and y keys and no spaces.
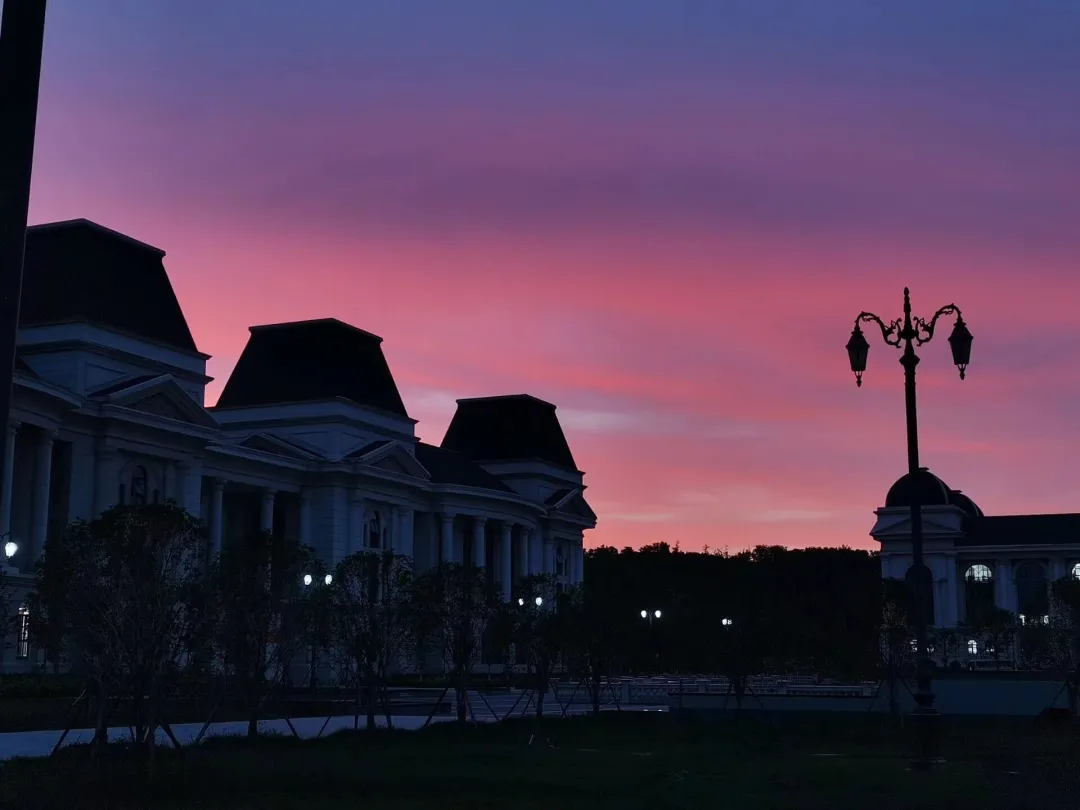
{"x":896,"y":636}
{"x":596,"y":638}
{"x":453,"y":607}
{"x":540,"y":628}
{"x":125,"y":594}
{"x":370,"y":603}
{"x":262,"y":614}
{"x":1065,"y":640}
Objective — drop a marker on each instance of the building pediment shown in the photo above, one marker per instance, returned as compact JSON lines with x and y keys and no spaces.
{"x":159,"y":396}
{"x":266,"y":443}
{"x":571,"y":503}
{"x":388,"y":456}
{"x":938,"y":521}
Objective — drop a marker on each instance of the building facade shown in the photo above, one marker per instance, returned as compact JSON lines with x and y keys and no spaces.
{"x":309,"y":437}
{"x":1015,"y":557}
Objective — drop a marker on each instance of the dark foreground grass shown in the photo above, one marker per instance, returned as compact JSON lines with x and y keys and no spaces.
{"x":620,"y":760}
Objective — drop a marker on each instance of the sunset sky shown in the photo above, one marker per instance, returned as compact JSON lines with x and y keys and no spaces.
{"x":662,"y":215}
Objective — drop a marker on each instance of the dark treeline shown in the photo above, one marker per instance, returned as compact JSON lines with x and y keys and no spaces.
{"x":812,"y":610}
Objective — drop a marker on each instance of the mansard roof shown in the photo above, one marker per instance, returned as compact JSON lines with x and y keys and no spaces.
{"x":310,"y":361}
{"x":516,"y":427}
{"x":81,"y":271}
{"x":448,"y":467}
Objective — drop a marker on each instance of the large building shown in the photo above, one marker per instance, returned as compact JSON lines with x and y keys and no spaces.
{"x":309,"y":437}
{"x":1018,"y":555}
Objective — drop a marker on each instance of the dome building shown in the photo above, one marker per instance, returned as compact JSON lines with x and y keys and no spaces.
{"x":1011,"y":559}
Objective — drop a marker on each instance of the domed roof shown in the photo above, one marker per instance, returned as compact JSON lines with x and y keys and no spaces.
{"x":930,"y":490}
{"x":958,"y":498}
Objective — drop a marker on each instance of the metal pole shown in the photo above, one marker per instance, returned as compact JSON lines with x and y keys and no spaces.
{"x":22,"y":33}
{"x":925,"y":715}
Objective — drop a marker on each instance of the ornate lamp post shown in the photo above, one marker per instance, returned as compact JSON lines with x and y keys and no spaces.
{"x":909,"y":332}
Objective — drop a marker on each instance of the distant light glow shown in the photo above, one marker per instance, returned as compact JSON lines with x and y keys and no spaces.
{"x":307,"y":579}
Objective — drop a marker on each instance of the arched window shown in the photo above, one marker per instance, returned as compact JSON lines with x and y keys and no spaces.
{"x":138,"y":486}
{"x":979,"y":573}
{"x":375,"y":530}
{"x":978,"y":594}
{"x":973,"y":646}
{"x":1076,"y":571}
{"x":1032,"y":596}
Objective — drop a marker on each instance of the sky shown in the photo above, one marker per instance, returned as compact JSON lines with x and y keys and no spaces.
{"x":661,"y":215}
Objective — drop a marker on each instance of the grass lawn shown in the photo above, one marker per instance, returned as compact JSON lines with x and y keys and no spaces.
{"x":621,"y":760}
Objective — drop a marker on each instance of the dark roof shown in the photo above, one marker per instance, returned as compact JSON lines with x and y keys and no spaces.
{"x":958,"y":498}
{"x":930,"y":489}
{"x":447,"y":467}
{"x":510,"y":427}
{"x":370,"y":447}
{"x":1018,"y":530}
{"x":309,"y":361}
{"x":80,"y":271}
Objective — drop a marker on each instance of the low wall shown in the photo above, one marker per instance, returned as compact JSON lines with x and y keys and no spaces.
{"x":955,"y":695}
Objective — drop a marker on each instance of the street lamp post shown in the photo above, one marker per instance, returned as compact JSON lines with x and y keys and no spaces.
{"x":650,"y":616}
{"x":22,"y":34}
{"x":908,"y":332}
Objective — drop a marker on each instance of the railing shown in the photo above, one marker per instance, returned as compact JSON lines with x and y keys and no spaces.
{"x":657,"y":691}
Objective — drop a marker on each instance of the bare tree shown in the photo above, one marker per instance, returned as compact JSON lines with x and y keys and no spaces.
{"x":453,"y":607}
{"x":541,"y":623}
{"x":125,"y":594}
{"x":262,"y":615}
{"x":371,"y":629}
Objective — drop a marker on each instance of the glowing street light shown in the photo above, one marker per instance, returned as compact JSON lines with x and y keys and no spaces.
{"x":726,"y":622}
{"x":307,"y":579}
{"x":10,"y":547}
{"x":539,"y":601}
{"x":328,"y":579}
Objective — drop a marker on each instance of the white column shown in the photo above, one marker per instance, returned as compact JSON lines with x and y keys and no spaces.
{"x":952,"y":592}
{"x":8,"y":479}
{"x":217,"y":516}
{"x":39,"y":525}
{"x":191,"y":486}
{"x":479,"y":551}
{"x":403,"y":544}
{"x":506,"y":576}
{"x":1057,"y":569}
{"x":1005,"y":587}
{"x":107,"y":479}
{"x":447,"y":538}
{"x":533,"y":552}
{"x":357,"y":523}
{"x":172,"y":489}
{"x":266,"y":516}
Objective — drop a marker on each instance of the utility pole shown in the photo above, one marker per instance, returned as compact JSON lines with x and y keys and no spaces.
{"x":22,"y":34}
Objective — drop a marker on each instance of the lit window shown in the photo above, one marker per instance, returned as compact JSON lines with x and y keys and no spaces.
{"x":973,"y":646}
{"x":1046,"y":620}
{"x":979,"y":573}
{"x":22,"y":646}
{"x":1022,"y":618}
{"x":1076,"y":571}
